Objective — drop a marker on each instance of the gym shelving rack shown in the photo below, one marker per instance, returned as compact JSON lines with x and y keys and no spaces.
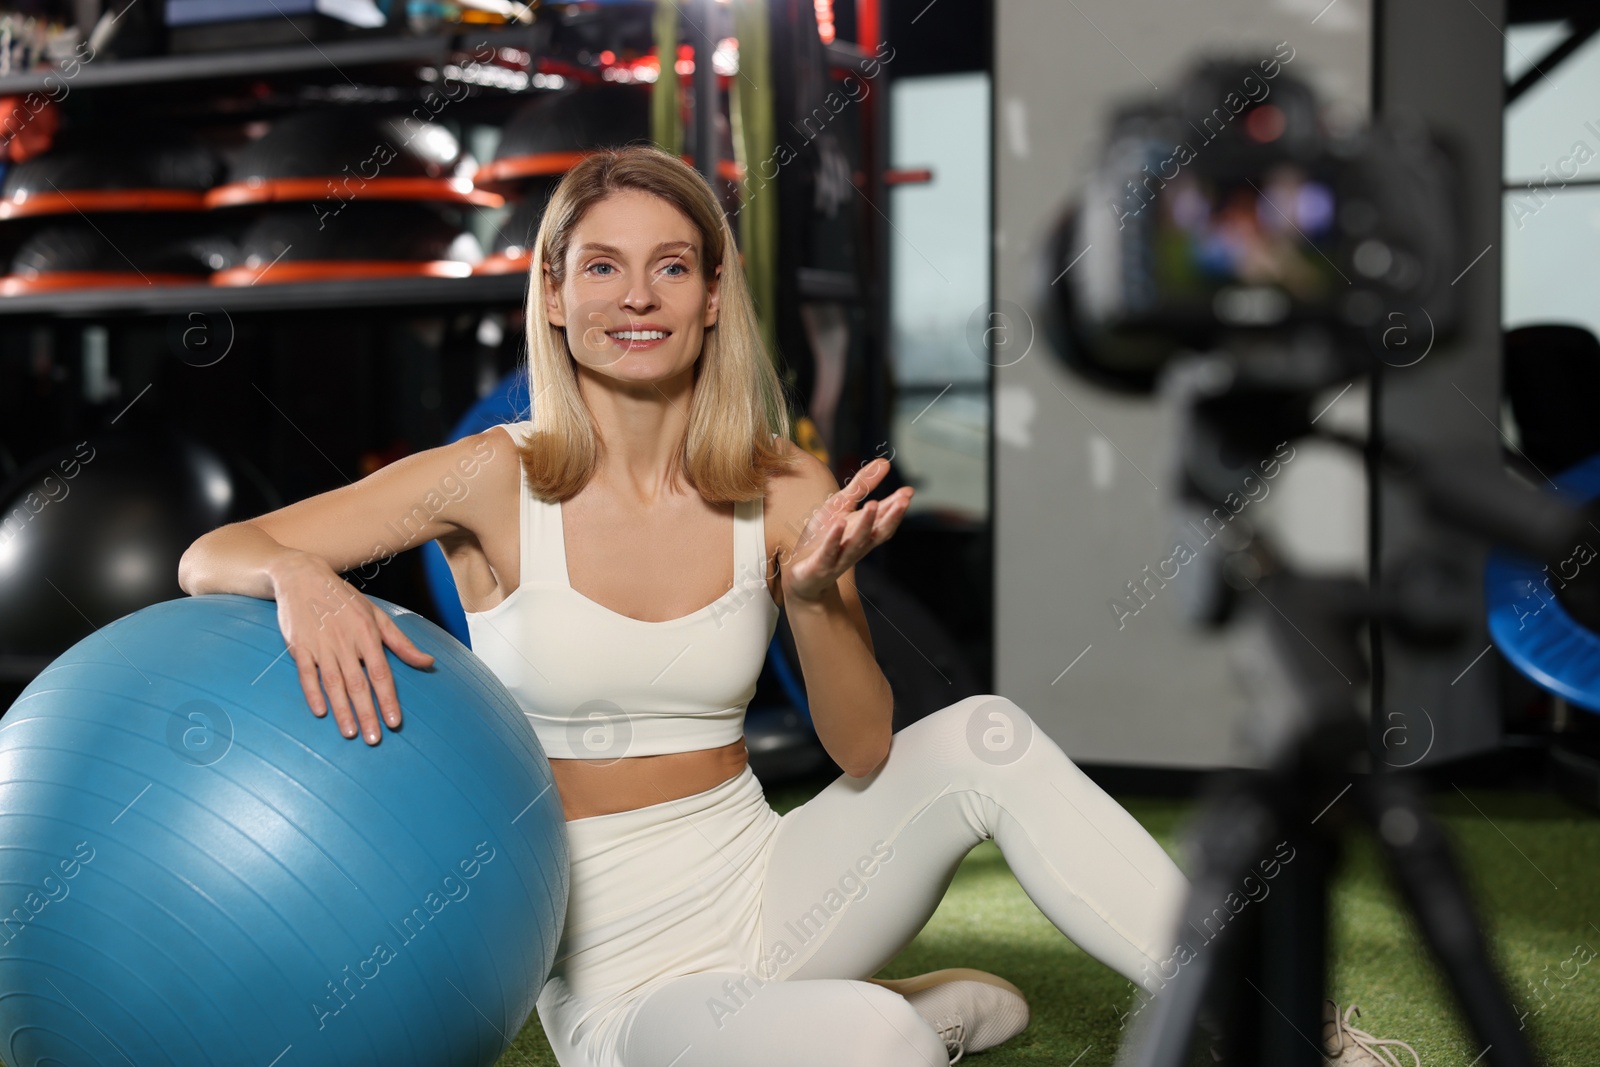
{"x":393,"y":57}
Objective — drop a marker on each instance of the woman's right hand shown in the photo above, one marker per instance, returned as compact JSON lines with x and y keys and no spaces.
{"x":333,"y":629}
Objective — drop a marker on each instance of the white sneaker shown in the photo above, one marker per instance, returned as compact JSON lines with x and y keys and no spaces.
{"x":1346,"y":1046}
{"x":972,"y":1010}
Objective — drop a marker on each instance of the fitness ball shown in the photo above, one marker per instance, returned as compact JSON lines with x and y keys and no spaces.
{"x":198,"y":870}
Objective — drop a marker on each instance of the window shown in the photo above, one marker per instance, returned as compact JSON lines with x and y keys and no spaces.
{"x":939,"y":277}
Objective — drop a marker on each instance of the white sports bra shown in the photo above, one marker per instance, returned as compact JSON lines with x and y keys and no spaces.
{"x":600,"y":685}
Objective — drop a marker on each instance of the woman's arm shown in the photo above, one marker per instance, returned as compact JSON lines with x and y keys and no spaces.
{"x":297,"y":554}
{"x":852,"y":706}
{"x":435,"y":493}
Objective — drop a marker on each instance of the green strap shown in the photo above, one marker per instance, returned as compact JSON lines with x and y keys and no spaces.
{"x":666,"y":121}
{"x":755,"y":144}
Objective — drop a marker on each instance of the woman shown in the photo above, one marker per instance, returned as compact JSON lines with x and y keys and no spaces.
{"x":702,"y":928}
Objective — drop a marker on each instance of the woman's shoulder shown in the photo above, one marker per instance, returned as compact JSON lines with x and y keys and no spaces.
{"x":519,"y":432}
{"x":801,"y":467}
{"x":799,"y":488}
{"x":484,"y":468}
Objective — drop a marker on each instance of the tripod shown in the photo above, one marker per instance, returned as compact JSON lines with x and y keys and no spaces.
{"x":1257,"y":969}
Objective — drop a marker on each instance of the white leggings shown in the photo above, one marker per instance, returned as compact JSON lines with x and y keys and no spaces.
{"x":848,"y":879}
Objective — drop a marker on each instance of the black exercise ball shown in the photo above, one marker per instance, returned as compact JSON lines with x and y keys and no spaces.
{"x":92,"y":531}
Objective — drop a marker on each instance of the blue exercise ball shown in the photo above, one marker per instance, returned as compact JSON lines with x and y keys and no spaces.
{"x":198,"y":870}
{"x":507,"y":402}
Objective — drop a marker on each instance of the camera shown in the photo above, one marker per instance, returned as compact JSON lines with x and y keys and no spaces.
{"x":1230,"y":211}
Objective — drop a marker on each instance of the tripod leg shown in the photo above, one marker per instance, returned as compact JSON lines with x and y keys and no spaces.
{"x":1431,"y":882}
{"x":1235,"y":831}
{"x":1292,"y":960}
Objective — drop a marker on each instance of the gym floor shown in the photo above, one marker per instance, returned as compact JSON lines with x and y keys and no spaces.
{"x":1533,"y":861}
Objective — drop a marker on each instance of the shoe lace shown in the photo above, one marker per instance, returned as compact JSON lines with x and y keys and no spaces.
{"x":954,"y":1032}
{"x":1373,"y":1046}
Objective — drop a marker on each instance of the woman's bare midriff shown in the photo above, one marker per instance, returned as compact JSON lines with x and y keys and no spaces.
{"x":595,"y":787}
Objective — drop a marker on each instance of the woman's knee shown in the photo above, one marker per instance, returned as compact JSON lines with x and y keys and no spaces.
{"x":839,"y":1022}
{"x":988,"y":728}
{"x":893,"y":1033}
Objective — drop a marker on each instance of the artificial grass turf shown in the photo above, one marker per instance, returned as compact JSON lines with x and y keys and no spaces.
{"x":1533,"y":865}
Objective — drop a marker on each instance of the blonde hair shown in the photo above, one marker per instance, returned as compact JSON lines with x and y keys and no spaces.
{"x":728,"y":451}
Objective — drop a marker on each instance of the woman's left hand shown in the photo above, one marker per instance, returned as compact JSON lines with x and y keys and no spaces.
{"x":836,"y":535}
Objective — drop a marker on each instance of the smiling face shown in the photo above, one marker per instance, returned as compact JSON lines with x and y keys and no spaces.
{"x":636,"y":298}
